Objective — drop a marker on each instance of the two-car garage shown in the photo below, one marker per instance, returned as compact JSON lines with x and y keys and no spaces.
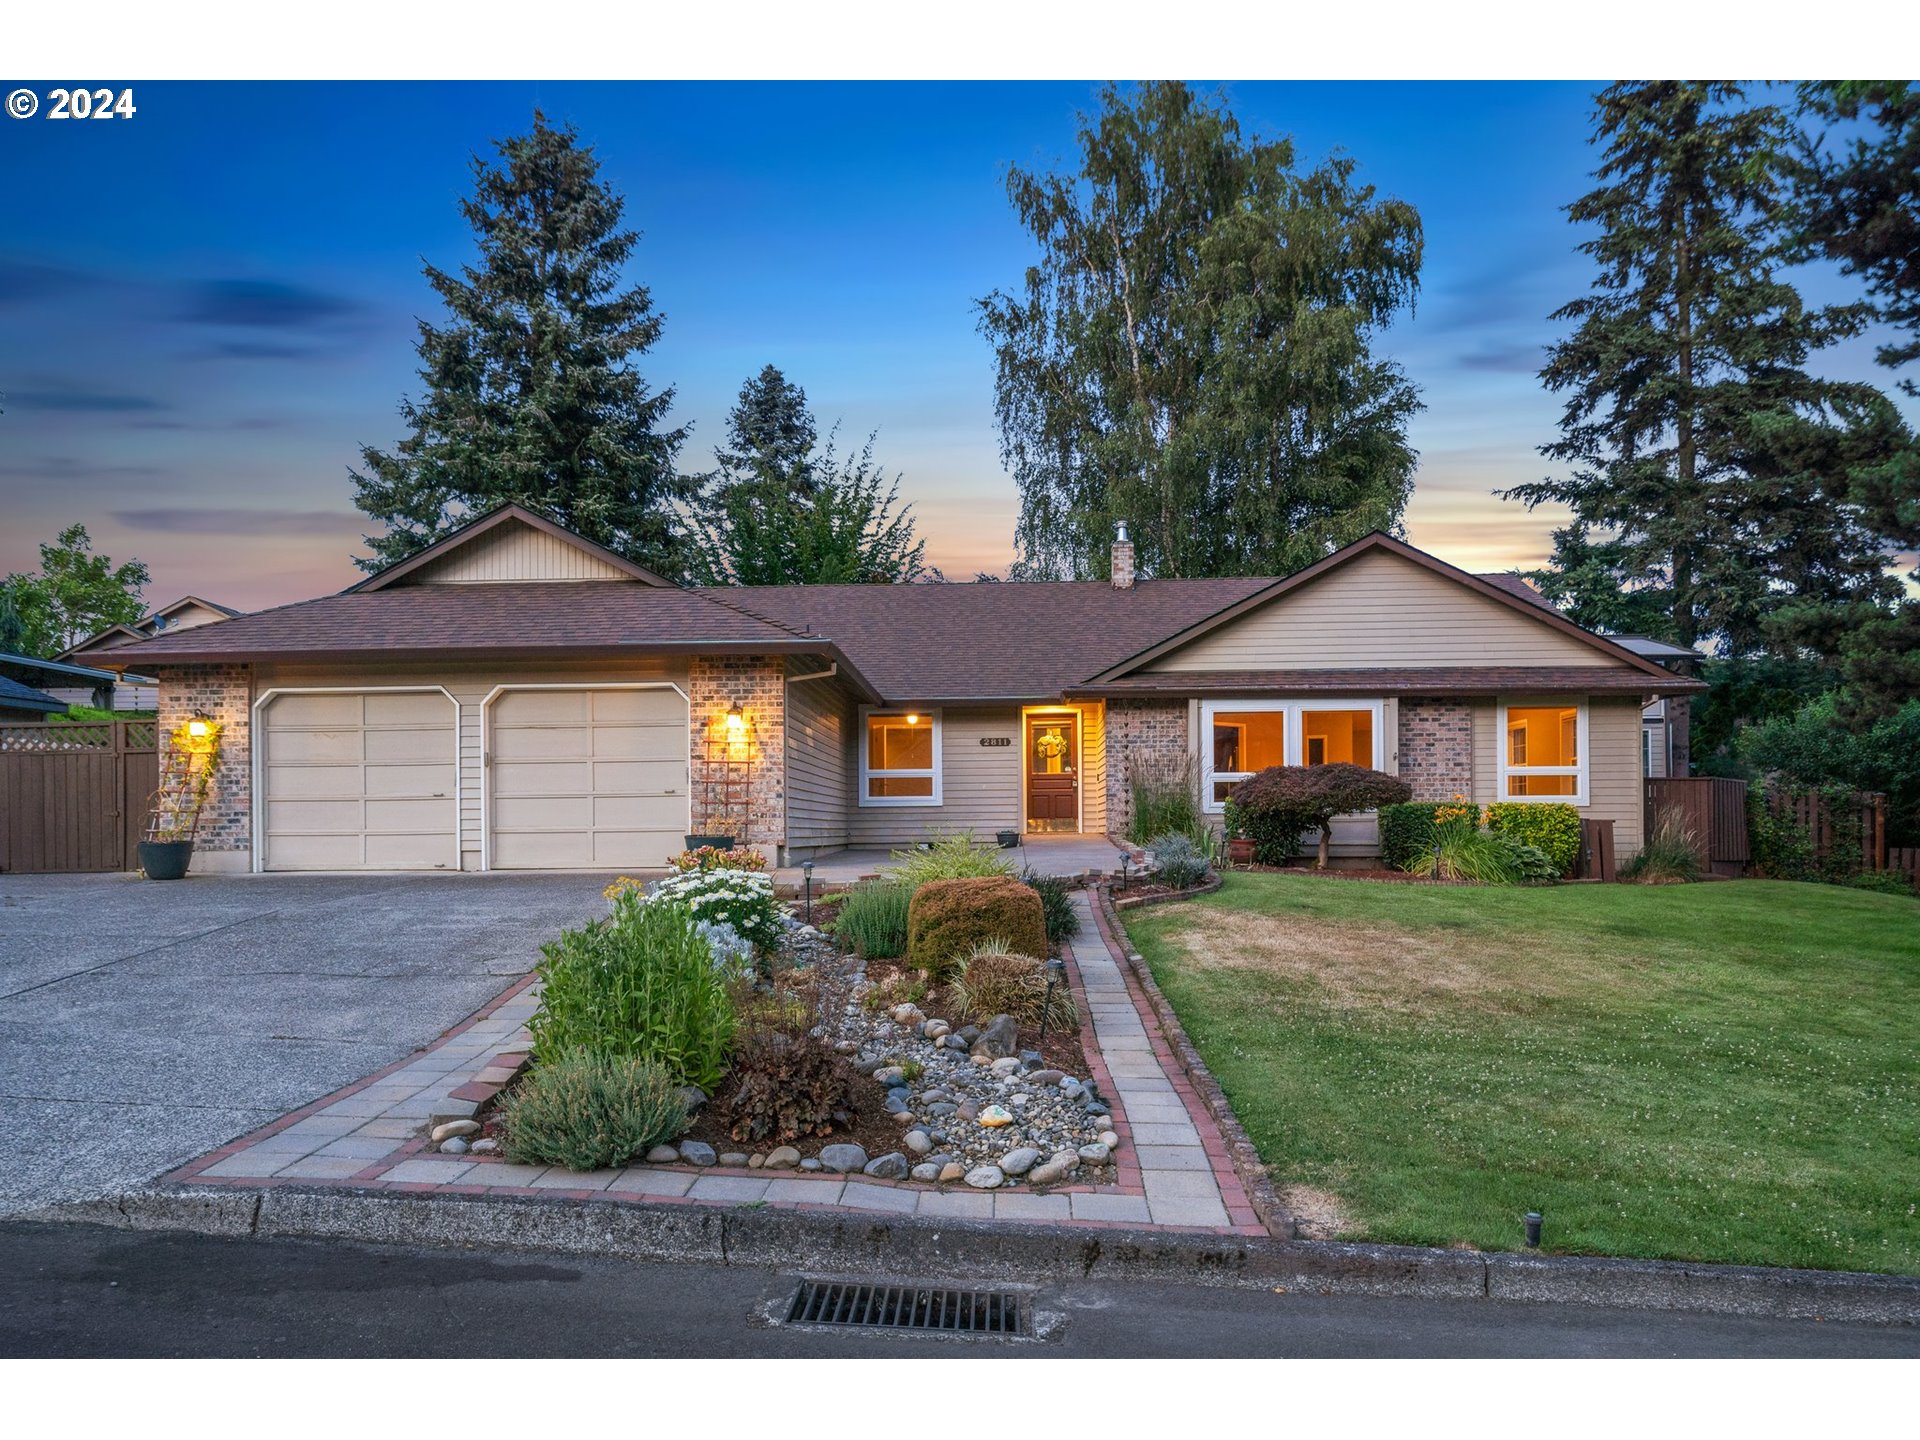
{"x":542,"y":777}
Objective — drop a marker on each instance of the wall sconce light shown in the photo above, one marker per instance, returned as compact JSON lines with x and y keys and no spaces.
{"x":736,"y":718}
{"x":199,"y":729}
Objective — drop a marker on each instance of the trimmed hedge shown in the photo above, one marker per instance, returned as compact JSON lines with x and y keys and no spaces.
{"x":1408,"y":832}
{"x":948,"y":918}
{"x":1551,"y":828}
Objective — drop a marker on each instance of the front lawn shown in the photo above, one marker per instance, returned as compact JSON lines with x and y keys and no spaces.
{"x":1722,"y":1072}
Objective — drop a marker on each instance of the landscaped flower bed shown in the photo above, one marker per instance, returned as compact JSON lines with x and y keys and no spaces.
{"x":787,"y":1051}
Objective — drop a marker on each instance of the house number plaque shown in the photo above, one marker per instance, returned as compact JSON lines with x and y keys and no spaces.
{"x":996,"y":742}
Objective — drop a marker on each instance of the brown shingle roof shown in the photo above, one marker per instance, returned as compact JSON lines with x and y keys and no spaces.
{"x":1410,"y":680}
{"x":1514,"y":585}
{"x":1014,"y":640}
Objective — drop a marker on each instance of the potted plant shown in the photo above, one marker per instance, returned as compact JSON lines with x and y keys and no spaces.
{"x":1009,"y":839}
{"x":193,"y":754}
{"x":716,"y":842}
{"x":1239,"y":845}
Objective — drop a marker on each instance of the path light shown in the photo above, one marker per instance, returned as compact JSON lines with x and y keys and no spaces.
{"x":1125,"y":857}
{"x":806,"y":869}
{"x":1056,"y":972}
{"x":1533,"y":1229}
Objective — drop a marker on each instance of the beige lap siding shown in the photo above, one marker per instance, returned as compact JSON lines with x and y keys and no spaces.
{"x":470,"y":685}
{"x":820,"y":721}
{"x":980,"y":783}
{"x":223,"y":693}
{"x":1615,"y":789}
{"x":1093,"y":770}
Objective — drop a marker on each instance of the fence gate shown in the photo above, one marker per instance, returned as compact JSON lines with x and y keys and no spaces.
{"x":73,"y":796}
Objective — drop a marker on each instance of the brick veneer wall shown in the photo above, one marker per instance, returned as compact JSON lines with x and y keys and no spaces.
{"x":758,"y":683}
{"x":1436,"y":748}
{"x":1139,"y":729}
{"x":223,"y":693}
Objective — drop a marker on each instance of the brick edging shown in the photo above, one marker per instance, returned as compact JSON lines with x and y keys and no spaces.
{"x":1261,"y":1195}
{"x":1136,"y":902}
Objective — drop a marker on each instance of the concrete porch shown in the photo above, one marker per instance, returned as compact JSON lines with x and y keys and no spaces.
{"x":1063,"y":855}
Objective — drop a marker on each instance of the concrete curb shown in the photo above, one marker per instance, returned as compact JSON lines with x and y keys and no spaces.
{"x":794,"y":1239}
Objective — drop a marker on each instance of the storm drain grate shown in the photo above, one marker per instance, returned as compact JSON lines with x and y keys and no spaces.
{"x":909,"y":1307}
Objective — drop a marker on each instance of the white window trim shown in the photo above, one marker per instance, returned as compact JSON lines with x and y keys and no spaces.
{"x":874,"y":802}
{"x":1294,"y":746}
{"x":1581,"y":750}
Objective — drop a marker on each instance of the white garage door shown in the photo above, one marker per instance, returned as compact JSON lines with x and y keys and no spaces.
{"x":586,"y":779}
{"x":360,"y":781}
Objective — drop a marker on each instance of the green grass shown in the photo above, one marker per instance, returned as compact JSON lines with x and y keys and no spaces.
{"x":1725,"y":1072}
{"x":94,"y":715}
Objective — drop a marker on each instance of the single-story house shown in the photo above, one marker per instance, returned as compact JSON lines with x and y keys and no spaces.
{"x":517,"y":697}
{"x":20,"y":702}
{"x":183,"y":614}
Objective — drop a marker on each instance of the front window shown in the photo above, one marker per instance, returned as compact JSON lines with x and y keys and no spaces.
{"x":1544,"y":753}
{"x":1245,"y":736}
{"x":900,"y":761}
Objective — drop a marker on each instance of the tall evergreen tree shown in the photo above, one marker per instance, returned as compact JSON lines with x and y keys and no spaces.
{"x":1708,"y":470}
{"x":1192,"y":353}
{"x":782,"y":511}
{"x":531,"y":394}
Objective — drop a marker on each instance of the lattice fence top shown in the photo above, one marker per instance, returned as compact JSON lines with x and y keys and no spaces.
{"x":70,"y":738}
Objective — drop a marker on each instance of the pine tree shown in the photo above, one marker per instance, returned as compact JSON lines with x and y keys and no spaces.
{"x":1708,"y":470}
{"x":531,"y":394}
{"x":1192,"y":351}
{"x":779,"y":511}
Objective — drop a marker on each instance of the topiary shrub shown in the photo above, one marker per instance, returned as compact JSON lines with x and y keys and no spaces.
{"x":995,"y":981}
{"x":1551,"y":827}
{"x":1409,"y":831}
{"x":1280,"y":804}
{"x":948,"y":918}
{"x":590,"y":1112}
{"x":784,"y":1086}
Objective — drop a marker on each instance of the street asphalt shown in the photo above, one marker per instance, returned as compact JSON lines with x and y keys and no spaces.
{"x":142,"y":1024}
{"x":71,"y":1290}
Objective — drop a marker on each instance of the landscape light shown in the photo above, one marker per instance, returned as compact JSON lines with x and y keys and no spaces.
{"x":1533,"y":1230}
{"x":1056,"y":971}
{"x":1125,"y":857}
{"x":806,"y":869}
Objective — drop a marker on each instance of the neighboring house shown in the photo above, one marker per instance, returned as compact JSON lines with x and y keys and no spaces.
{"x":67,"y":684}
{"x":518,"y":697}
{"x":185,"y":613}
{"x":22,"y":702}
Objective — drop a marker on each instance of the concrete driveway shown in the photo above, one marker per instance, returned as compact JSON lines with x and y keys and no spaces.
{"x":142,"y":1024}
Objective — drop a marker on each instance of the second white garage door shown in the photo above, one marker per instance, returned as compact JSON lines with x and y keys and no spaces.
{"x":586,"y":779}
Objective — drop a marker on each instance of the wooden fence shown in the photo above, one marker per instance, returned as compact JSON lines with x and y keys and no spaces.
{"x":73,"y":797}
{"x":1863,"y":813}
{"x":1712,"y":809}
{"x":1905,"y":860}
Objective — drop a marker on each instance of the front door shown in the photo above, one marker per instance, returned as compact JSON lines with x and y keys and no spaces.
{"x":1053,"y":772}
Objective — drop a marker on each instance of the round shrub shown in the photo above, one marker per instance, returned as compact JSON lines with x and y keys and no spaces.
{"x":1177,"y":860}
{"x":948,"y":918}
{"x":590,"y":1112}
{"x":1280,"y":804}
{"x":1552,"y":827}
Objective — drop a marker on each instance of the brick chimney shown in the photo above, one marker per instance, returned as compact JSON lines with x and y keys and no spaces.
{"x":1122,"y":563}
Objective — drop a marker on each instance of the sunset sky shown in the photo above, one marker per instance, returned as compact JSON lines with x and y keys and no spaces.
{"x":205,"y":310}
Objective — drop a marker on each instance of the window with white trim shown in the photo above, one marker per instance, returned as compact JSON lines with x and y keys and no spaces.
{"x":900,"y":757}
{"x":1242,"y":737}
{"x":1543,"y":751}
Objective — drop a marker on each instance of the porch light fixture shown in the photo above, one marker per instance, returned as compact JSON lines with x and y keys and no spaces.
{"x":736,"y":718}
{"x":913,"y":719}
{"x":1056,"y":972}
{"x":199,"y":729}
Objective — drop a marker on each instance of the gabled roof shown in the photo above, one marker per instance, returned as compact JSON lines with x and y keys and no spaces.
{"x":165,"y":610}
{"x":15,"y":696}
{"x":508,"y":513}
{"x":1366,"y":545}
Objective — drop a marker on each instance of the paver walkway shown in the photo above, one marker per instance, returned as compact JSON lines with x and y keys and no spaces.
{"x":1172,"y":1166}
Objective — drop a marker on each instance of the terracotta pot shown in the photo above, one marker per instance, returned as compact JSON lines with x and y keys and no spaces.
{"x":1240,"y":852}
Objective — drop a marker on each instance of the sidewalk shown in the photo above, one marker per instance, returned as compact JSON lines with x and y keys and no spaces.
{"x":1173,"y":1169}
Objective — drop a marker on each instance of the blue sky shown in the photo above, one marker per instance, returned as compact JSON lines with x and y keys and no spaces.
{"x":205,"y":310}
